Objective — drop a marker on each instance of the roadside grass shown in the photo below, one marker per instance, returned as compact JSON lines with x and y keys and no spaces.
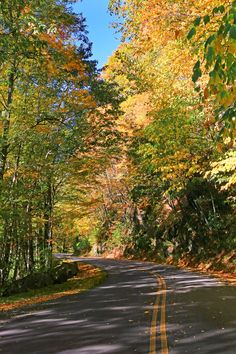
{"x":87,"y":278}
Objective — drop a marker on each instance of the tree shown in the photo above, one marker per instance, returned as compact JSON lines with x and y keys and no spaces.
{"x":55,"y":110}
{"x":217,"y":61}
{"x":172,"y":149}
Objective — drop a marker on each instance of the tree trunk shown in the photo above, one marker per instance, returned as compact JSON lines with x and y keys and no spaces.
{"x":6,"y":122}
{"x":30,"y":239}
{"x":48,"y":223}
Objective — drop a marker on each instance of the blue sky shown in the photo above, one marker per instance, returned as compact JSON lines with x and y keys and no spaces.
{"x":101,"y":34}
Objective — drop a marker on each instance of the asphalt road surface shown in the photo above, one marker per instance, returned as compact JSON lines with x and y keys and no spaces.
{"x":140,"y":308}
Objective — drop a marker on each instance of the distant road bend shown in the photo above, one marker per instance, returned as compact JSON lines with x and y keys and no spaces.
{"x":141,"y":308}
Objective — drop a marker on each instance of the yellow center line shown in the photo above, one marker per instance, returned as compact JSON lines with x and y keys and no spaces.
{"x":159,"y":303}
{"x":153,"y":330}
{"x":164,"y":343}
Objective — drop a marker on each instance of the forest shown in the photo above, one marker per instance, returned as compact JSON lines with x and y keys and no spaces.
{"x":137,"y":159}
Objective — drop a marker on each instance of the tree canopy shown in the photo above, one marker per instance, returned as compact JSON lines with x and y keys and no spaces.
{"x":140,"y":156}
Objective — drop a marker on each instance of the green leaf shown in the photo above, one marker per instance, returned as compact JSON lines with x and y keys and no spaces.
{"x":221,"y":8}
{"x":218,"y":9}
{"x":226,"y":29}
{"x":232,"y":71}
{"x":229,"y":59}
{"x":197,"y":65}
{"x":212,"y":74}
{"x":221,"y":74}
{"x":197,"y":73}
{"x":221,"y":30}
{"x":223,"y":94}
{"x":210,"y":55}
{"x":197,"y":21}
{"x":206,"y":19}
{"x":232,"y":32}
{"x":210,"y":40}
{"x":191,"y":33}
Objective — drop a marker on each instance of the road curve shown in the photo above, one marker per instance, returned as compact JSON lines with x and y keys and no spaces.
{"x":141,"y":308}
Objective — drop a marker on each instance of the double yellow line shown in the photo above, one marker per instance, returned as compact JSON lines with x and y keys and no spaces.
{"x":159,"y":306}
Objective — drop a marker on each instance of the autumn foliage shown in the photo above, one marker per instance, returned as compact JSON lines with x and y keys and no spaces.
{"x":140,"y":157}
{"x":175,"y":68}
{"x":50,"y":90}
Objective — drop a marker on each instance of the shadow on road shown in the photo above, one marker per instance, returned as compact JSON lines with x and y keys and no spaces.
{"x":116,"y":317}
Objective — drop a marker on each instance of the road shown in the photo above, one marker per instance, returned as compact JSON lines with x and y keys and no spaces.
{"x":140,"y":308}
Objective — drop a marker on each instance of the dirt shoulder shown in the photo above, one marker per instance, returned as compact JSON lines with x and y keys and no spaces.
{"x":223,"y":266}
